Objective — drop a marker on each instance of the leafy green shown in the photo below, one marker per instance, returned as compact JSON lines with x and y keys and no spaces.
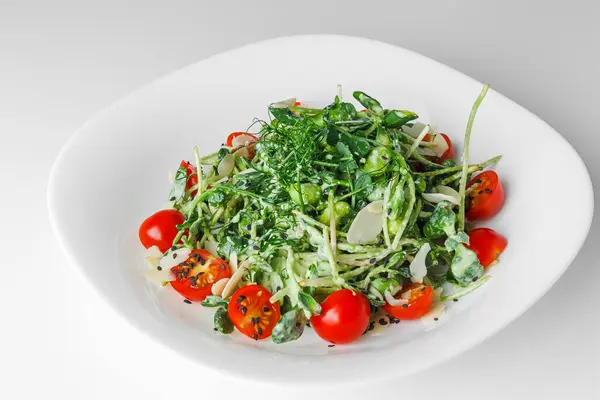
{"x":441,"y":222}
{"x":465,"y":266}
{"x":290,"y":327}
{"x":214,"y":301}
{"x":178,"y":187}
{"x":222,"y":322}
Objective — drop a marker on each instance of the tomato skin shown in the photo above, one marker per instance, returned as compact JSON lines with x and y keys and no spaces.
{"x":160,"y":229}
{"x":196,"y":275}
{"x":418,"y":305}
{"x":486,"y":196}
{"x":487,"y":244}
{"x":252,"y":303}
{"x":233,"y":135}
{"x":192,"y":179}
{"x":345,"y":317}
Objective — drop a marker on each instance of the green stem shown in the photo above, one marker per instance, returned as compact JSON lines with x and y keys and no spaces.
{"x":467,"y":290}
{"x":465,"y":157}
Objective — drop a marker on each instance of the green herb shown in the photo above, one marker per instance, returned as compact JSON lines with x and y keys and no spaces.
{"x":222,"y":322}
{"x":290,"y":327}
{"x":214,"y":301}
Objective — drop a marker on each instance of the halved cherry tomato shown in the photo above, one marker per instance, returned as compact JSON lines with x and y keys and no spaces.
{"x":448,"y":154}
{"x":252,"y":313}
{"x":250,"y":138}
{"x":297,"y":103}
{"x":487,"y":244}
{"x":418,"y":304}
{"x":196,"y":275}
{"x":345,"y":317}
{"x":485,"y":196}
{"x":160,"y":229}
{"x":192,"y":179}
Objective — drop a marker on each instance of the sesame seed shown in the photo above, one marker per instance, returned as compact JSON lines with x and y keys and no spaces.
{"x":174,"y":255}
{"x":278,"y":288}
{"x":475,"y":278}
{"x":265,"y":309}
{"x":436,"y":318}
{"x":372,"y":261}
{"x":172,"y":198}
{"x":298,"y":324}
{"x":186,"y":301}
{"x":159,"y":268}
{"x":252,"y":321}
{"x":488,"y":190}
{"x":404,"y":305}
{"x":455,"y":300}
{"x":255,"y":336}
{"x":480,"y":192}
{"x":260,"y":331}
{"x":248,"y":227}
{"x":478,"y":181}
{"x":255,"y":247}
{"x":257,"y":319}
{"x":242,"y":309}
{"x":215,"y":329}
{"x":283,"y":235}
{"x":331,"y":345}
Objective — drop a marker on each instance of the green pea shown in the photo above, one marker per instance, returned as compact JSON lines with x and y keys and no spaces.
{"x":378,"y":160}
{"x":311,"y":194}
{"x":341,"y":208}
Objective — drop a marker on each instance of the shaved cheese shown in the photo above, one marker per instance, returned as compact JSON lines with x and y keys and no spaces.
{"x":284,"y":103}
{"x":154,"y":260}
{"x":233,"y":262}
{"x":444,"y":193}
{"x":232,"y":284}
{"x":217,"y":287}
{"x":152,"y":256}
{"x":439,"y":145}
{"x":242,"y":140}
{"x":226,"y":165}
{"x":242,"y":152}
{"x":392,"y":301}
{"x":418,"y":269}
{"x":174,"y":258}
{"x":367,"y":224}
{"x":211,"y":247}
{"x":414,"y":130}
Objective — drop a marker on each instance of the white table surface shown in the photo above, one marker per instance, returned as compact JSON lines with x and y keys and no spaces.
{"x":61,"y":63}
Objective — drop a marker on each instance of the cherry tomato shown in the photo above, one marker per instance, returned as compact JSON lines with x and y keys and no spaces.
{"x":345,"y":317}
{"x":160,"y":229}
{"x":248,"y":137}
{"x":297,"y":103}
{"x":192,"y":179}
{"x":196,"y":275}
{"x":418,"y":304}
{"x":252,"y":313}
{"x":448,"y":154}
{"x":485,"y":196}
{"x":487,"y":244}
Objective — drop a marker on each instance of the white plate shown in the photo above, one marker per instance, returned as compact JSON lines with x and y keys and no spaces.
{"x":113,"y":173}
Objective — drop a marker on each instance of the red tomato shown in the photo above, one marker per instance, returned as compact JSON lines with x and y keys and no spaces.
{"x":192,"y":179}
{"x":448,"y":154}
{"x":487,"y":244}
{"x":160,"y":229}
{"x":418,"y":304}
{"x":250,"y":138}
{"x":196,"y":275}
{"x":297,"y":103}
{"x":485,"y":196}
{"x":252,"y":313}
{"x":345,"y":317}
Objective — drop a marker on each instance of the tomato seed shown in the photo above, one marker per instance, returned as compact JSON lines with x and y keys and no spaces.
{"x":488,"y":190}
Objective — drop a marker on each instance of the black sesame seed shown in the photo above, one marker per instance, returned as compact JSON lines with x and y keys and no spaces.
{"x":255,"y":336}
{"x":384,"y":157}
{"x":240,"y":299}
{"x":173,"y":248}
{"x":372,"y":261}
{"x":423,"y":289}
{"x":331,"y":345}
{"x":186,"y":301}
{"x":257,"y":319}
{"x":308,"y":324}
{"x":455,"y":300}
{"x":298,"y":324}
{"x":478,"y":181}
{"x":174,"y":255}
{"x":488,"y":190}
{"x":480,"y":192}
{"x":223,"y":267}
{"x":404,"y":305}
{"x":320,"y":181}
{"x":475,"y":278}
{"x":248,"y":227}
{"x":266,"y":309}
{"x":283,"y":235}
{"x":159,"y":268}
{"x":215,"y":329}
{"x":260,"y":331}
{"x":385,"y":246}
{"x":255,"y":247}
{"x":172,"y":198}
{"x":436,"y":318}
{"x":242,"y":309}
{"x":252,"y":321}
{"x":384,"y":322}
{"x":278,"y":288}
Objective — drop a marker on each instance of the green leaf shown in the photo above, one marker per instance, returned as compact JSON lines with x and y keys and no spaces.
{"x":222,"y":322}
{"x":178,"y":188}
{"x":290,"y":327}
{"x":363,"y":179}
{"x":333,"y":136}
{"x":396,"y":259}
{"x":343,"y":149}
{"x":216,"y":197}
{"x":441,"y":222}
{"x":378,"y":160}
{"x":222,"y":153}
{"x":368,"y":102}
{"x":453,"y":241}
{"x":309,"y":304}
{"x":284,"y":115}
{"x":341,"y":112}
{"x":465,"y":266}
{"x":397,"y":118}
{"x":385,"y":284}
{"x":228,"y":244}
{"x":214,"y":301}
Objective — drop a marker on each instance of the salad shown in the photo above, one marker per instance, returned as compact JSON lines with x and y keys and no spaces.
{"x":332,"y":218}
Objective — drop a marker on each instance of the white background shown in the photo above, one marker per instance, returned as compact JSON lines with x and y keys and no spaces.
{"x":61,"y":62}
